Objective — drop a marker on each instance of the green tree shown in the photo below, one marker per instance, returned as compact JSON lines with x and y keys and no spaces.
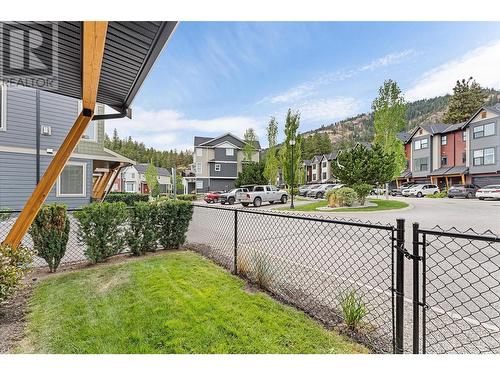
{"x":152,"y":179}
{"x":272,"y":162}
{"x":252,"y":174}
{"x":467,"y":97}
{"x":250,"y":139}
{"x":390,"y":119}
{"x":292,"y":123}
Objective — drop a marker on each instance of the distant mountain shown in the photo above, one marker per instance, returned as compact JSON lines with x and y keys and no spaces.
{"x":360,"y":128}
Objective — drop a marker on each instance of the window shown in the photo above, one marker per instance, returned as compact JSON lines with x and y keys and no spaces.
{"x":198,"y":168}
{"x":314,"y":166}
{"x":444,"y":160}
{"x":420,"y":164}
{"x":71,"y":182}
{"x":484,"y":130}
{"x":464,"y":157}
{"x":464,"y":135}
{"x":259,"y":188}
{"x":323,"y":176}
{"x":199,"y":152}
{"x":3,"y":107}
{"x":132,"y":175}
{"x":130,"y":187}
{"x":484,"y":157}
{"x":217,"y":167}
{"x":324,"y":164}
{"x":229,"y":151}
{"x":314,"y":176}
{"x":421,"y":144}
{"x":444,"y":140}
{"x":199,"y":184}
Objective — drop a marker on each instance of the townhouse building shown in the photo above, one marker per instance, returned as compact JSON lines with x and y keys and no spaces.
{"x":448,"y":154}
{"x":217,"y":161}
{"x":132,"y":179}
{"x":319,"y":168}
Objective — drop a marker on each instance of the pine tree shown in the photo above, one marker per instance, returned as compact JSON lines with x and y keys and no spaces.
{"x":467,"y":97}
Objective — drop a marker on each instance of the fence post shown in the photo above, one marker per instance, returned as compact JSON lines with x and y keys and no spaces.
{"x":235,"y":257}
{"x":400,"y":260}
{"x":416,"y":297}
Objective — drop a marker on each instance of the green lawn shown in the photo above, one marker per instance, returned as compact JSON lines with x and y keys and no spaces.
{"x":173,"y":303}
{"x":381,"y":205}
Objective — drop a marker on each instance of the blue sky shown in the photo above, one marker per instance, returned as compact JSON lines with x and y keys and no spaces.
{"x":215,"y":77}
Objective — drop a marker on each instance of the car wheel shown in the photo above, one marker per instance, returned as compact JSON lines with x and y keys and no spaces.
{"x":230,"y":200}
{"x":257,"y":202}
{"x":284,"y":198}
{"x":450,"y":196}
{"x":245,"y":204}
{"x":419,"y":194}
{"x":469,"y":195}
{"x":481,"y":198}
{"x":271,"y":202}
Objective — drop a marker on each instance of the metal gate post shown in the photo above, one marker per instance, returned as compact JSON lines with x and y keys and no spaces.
{"x":400,"y":261}
{"x":235,"y":260}
{"x":416,"y":297}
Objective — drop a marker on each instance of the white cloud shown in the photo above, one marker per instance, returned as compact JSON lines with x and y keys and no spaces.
{"x":329,"y":109}
{"x":389,"y":59}
{"x":481,"y":63}
{"x":167,"y":129}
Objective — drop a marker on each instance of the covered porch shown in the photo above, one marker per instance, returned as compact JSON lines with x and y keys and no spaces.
{"x":446,"y":177}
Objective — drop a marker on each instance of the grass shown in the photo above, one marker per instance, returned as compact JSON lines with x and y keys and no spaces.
{"x":381,"y":205}
{"x":172,"y":303}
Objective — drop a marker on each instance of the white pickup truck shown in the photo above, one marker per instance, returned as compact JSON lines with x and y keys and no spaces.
{"x":262,"y":193}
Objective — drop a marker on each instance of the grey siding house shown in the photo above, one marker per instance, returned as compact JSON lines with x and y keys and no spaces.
{"x":33,"y":124}
{"x":217,"y":161}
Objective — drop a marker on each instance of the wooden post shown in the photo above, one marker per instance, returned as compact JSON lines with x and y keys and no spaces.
{"x":101,"y":187}
{"x":447,"y":185}
{"x":94,"y":37}
{"x":463,"y":179}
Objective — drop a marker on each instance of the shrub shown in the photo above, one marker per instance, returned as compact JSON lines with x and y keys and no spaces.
{"x":186,"y":197}
{"x":295,"y":191}
{"x":173,"y":219}
{"x":14,"y":263}
{"x":442,"y":194}
{"x":142,"y":235}
{"x":5,"y":214}
{"x":362,"y":191}
{"x":101,"y":228}
{"x":50,"y":233}
{"x":353,"y":309}
{"x":343,"y":196}
{"x":128,"y":198}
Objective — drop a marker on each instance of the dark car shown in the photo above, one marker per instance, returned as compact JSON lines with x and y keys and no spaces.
{"x":399,"y":190}
{"x":465,"y":191}
{"x":230,"y":196}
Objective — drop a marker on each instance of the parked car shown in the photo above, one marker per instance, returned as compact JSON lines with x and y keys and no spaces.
{"x":399,"y":190}
{"x":320,"y":191}
{"x":467,"y":191}
{"x":230,"y":196}
{"x":488,"y":191}
{"x":378,"y":191}
{"x":303,"y":190}
{"x":421,"y":190}
{"x":262,"y":193}
{"x":213,"y":196}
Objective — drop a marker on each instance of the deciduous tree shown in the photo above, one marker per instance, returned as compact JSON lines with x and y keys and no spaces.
{"x":272,"y":162}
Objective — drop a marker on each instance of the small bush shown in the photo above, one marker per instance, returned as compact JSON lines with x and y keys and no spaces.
{"x":295,"y":191}
{"x":442,"y":194}
{"x":101,"y":228}
{"x":128,"y":198}
{"x":341,"y":197}
{"x":5,"y":214}
{"x":362,"y":191}
{"x":142,"y":235}
{"x":173,"y":219}
{"x":14,"y":263}
{"x":353,"y":309}
{"x":186,"y":197}
{"x":50,"y":234}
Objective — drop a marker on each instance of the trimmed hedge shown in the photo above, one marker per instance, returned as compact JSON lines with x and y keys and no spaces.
{"x":173,"y":219}
{"x":186,"y":197}
{"x":142,"y":235}
{"x":101,"y":228}
{"x":128,"y":198}
{"x":50,"y":234}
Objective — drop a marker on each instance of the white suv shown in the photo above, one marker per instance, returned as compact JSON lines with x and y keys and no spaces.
{"x":421,"y":190}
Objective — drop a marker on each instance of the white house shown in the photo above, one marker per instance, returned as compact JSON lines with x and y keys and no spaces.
{"x":132,"y":179}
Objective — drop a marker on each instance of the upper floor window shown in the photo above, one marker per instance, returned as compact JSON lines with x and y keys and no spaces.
{"x":3,"y":107}
{"x":72,"y":180}
{"x":444,"y":161}
{"x":484,"y":130}
{"x":198,"y":168}
{"x":421,"y":164}
{"x":314,"y":166}
{"x":485,"y":156}
{"x":444,"y":140}
{"x":421,"y":144}
{"x":132,"y":175}
{"x":324,"y":164}
{"x":464,"y":157}
{"x":199,"y":152}
{"x":464,"y":135}
{"x":217,"y":167}
{"x":229,"y":151}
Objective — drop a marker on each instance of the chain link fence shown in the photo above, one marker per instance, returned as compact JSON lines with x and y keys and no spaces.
{"x":308,"y":262}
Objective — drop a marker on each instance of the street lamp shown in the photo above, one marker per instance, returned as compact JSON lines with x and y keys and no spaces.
{"x":292,"y":143}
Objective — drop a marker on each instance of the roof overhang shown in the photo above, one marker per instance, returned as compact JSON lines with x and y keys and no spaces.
{"x":130,"y":51}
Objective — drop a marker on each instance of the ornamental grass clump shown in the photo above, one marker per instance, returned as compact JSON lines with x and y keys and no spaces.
{"x":50,"y":234}
{"x":14,"y":263}
{"x":353,"y":309}
{"x":101,"y":227}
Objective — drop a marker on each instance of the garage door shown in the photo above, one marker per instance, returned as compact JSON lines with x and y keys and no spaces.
{"x":486,"y":180}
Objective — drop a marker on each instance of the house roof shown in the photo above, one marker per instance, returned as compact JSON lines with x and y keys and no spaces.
{"x":199,"y":140}
{"x":440,"y":171}
{"x":405,"y":174}
{"x":141,"y":168}
{"x":461,"y":169}
{"x":130,"y":50}
{"x":432,"y":129}
{"x":494,"y":109}
{"x":403,"y":136}
{"x":307,"y":162}
{"x":208,"y":141}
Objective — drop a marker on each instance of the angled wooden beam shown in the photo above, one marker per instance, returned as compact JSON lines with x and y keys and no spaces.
{"x":94,"y":37}
{"x":100,"y":188}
